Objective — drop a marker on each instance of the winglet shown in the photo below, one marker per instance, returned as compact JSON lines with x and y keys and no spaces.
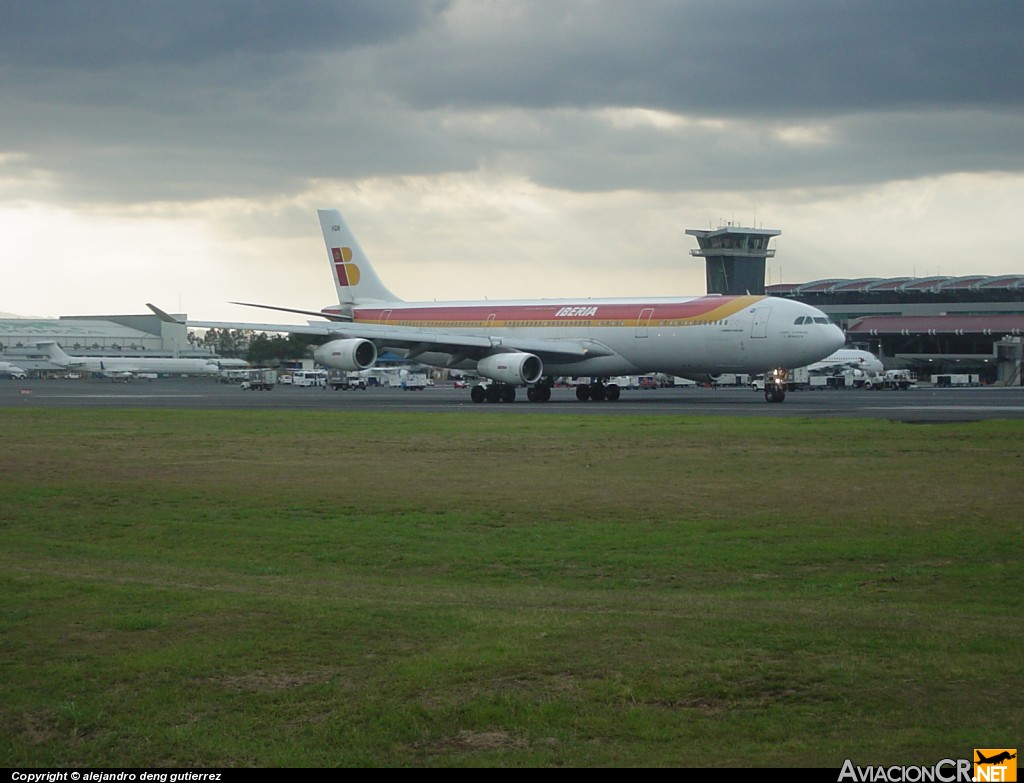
{"x":165,"y":317}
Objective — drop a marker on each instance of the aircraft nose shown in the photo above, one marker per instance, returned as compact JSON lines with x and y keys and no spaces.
{"x":835,"y":337}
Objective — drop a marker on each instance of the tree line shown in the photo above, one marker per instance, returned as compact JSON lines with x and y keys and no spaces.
{"x":259,"y":348}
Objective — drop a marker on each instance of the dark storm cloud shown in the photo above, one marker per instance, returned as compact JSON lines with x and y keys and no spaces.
{"x":63,"y":34}
{"x":191,"y":100}
{"x":726,"y":58}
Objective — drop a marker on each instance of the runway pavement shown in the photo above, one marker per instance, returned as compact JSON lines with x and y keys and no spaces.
{"x":924,"y":404}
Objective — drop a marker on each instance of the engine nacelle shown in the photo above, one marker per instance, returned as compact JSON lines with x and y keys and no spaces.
{"x":512,"y":368}
{"x":350,"y":355}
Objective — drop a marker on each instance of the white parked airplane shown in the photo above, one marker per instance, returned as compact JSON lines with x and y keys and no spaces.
{"x":6,"y":368}
{"x":124,"y":367}
{"x":527,"y":342}
{"x":860,"y":362}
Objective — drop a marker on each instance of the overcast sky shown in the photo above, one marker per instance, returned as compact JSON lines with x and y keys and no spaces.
{"x":176,"y":152}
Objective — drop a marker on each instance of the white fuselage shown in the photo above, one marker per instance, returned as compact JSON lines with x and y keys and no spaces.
{"x":128,"y":365}
{"x":678,"y":336}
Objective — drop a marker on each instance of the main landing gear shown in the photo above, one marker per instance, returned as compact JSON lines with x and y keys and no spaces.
{"x":598,"y":392}
{"x":506,"y":392}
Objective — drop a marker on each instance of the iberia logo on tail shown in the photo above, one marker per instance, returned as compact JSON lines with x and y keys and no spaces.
{"x":347,"y":272}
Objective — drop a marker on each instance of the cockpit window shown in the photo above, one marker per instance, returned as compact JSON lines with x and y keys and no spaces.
{"x":802,"y":319}
{"x":821,"y":320}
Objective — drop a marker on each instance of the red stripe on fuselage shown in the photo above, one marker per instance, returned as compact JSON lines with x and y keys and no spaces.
{"x":561,"y":312}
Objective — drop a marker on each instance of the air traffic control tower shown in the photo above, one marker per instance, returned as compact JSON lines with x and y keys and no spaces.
{"x":734,"y":258}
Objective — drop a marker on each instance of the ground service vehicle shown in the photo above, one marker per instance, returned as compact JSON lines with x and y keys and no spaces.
{"x":340,"y":380}
{"x":891,"y":379}
{"x":260,"y":380}
{"x":309,"y":378}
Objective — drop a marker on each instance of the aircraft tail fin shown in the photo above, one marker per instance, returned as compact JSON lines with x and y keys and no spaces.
{"x":54,"y":353}
{"x":354,"y":278}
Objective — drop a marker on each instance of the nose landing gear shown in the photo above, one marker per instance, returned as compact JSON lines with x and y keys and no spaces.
{"x":775,"y":385}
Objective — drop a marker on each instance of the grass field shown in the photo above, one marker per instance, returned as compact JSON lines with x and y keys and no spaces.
{"x":270,"y":588}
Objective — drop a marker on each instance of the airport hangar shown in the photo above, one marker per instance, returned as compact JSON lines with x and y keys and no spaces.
{"x":933,"y":325}
{"x":95,"y":335}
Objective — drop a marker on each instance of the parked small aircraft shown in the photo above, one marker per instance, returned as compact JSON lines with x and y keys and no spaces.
{"x":127,"y":366}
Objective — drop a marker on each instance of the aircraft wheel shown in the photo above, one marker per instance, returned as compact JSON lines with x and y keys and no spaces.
{"x":598,"y":393}
{"x":543,"y":393}
{"x":531,"y":394}
{"x":493,"y":393}
{"x":477,"y":394}
{"x":582,"y":393}
{"x":612,"y":392}
{"x":508,"y":393}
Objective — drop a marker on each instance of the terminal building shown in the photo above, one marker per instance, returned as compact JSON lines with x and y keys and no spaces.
{"x":933,"y":325}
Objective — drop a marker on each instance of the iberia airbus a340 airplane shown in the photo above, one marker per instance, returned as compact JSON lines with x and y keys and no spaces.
{"x":527,"y":343}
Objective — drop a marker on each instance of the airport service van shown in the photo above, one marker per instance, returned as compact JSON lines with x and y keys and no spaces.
{"x":309,"y":378}
{"x":416,"y":381}
{"x":732,"y":379}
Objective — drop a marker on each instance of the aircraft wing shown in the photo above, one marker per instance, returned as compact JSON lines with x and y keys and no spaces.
{"x":418,"y":341}
{"x":311,"y":328}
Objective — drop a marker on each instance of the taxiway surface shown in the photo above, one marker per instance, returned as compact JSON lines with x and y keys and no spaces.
{"x":924,"y":404}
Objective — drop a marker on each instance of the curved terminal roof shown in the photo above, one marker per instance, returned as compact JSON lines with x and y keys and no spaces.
{"x":892,"y":284}
{"x":781,"y":289}
{"x":989,"y":325}
{"x":924,"y":283}
{"x":854,"y":285}
{"x":931,"y":284}
{"x":818,"y":286}
{"x":1006,"y":282}
{"x":961,"y":283}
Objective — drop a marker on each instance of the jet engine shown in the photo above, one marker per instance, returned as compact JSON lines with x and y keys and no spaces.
{"x":350,"y":355}
{"x":512,"y":368}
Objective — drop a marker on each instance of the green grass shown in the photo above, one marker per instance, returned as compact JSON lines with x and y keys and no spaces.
{"x":283,"y":588}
